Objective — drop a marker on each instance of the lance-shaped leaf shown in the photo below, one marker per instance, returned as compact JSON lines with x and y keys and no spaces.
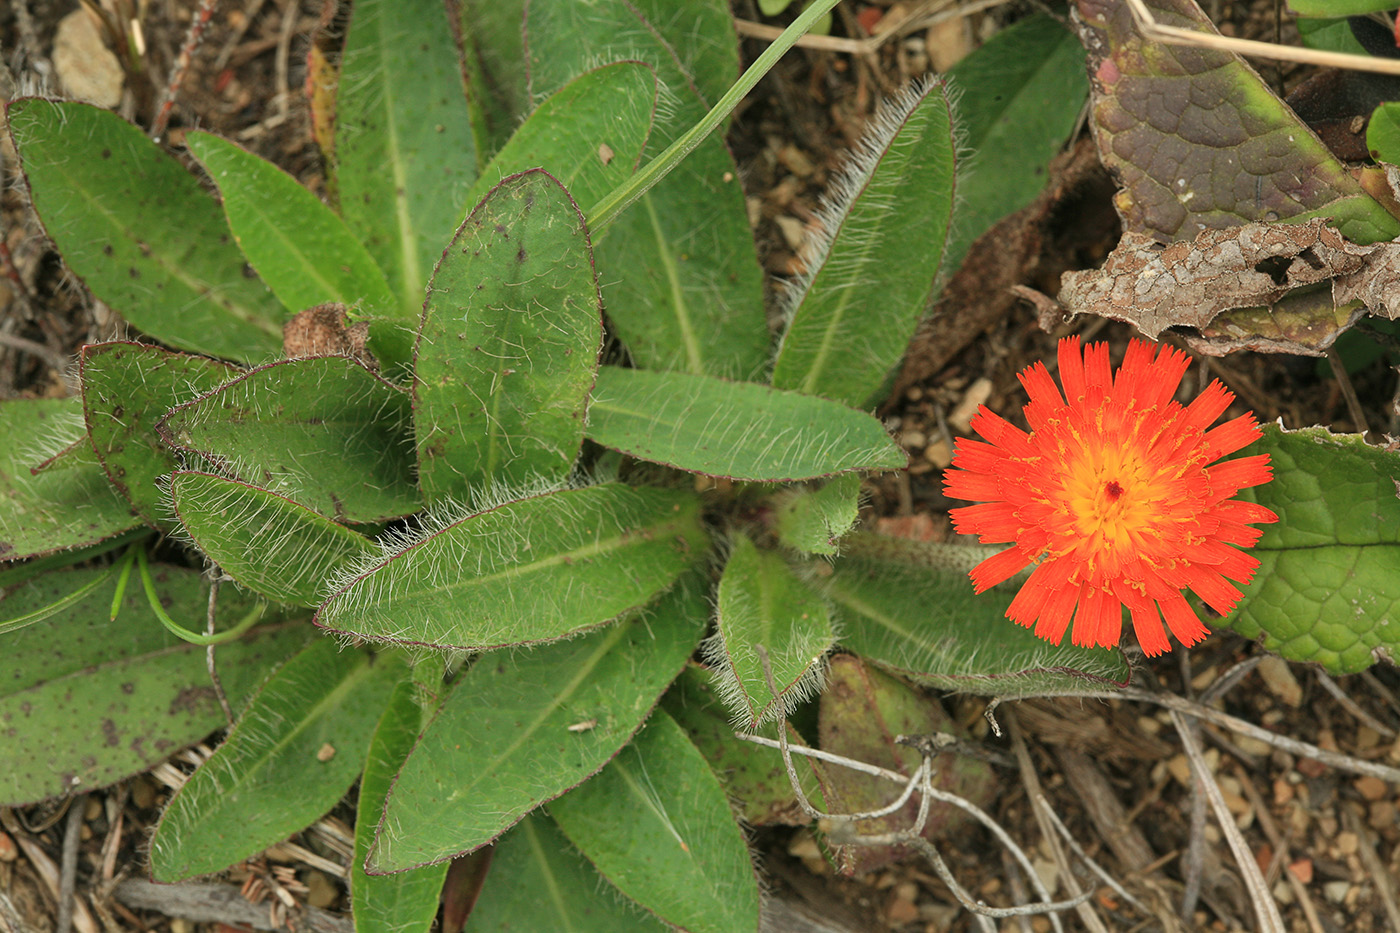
{"x":404,"y":146}
{"x":490,"y":47}
{"x":90,"y":701}
{"x":680,"y":273}
{"x":754,"y":777}
{"x":528,"y":571}
{"x":325,"y":432}
{"x":406,"y":902}
{"x":293,"y":754}
{"x":1198,"y":141}
{"x":925,"y":623}
{"x":735,"y":429}
{"x":69,"y":503}
{"x":887,"y":224}
{"x":762,"y":605}
{"x":521,"y":728}
{"x":701,"y":33}
{"x":267,"y":543}
{"x":679,"y":852}
{"x":1019,"y":98}
{"x":862,"y":712}
{"x":305,"y":253}
{"x":1328,"y":586}
{"x":608,"y":112}
{"x":812,"y":520}
{"x":127,"y":388}
{"x":538,"y":880}
{"x":140,"y":232}
{"x":508,"y":344}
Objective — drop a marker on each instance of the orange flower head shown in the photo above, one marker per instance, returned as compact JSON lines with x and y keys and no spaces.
{"x":1115,"y":496}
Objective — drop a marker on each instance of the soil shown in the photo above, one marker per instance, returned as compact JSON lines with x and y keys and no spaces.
{"x":1115,"y":772}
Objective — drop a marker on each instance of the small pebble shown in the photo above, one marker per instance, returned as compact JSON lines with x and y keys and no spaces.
{"x":938,"y":454}
{"x":320,"y":891}
{"x":913,"y":439}
{"x":1371,"y":788}
{"x":1336,"y":891}
{"x":975,"y":396}
{"x":181,"y":925}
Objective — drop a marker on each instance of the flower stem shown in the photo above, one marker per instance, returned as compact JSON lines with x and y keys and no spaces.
{"x":612,"y":204}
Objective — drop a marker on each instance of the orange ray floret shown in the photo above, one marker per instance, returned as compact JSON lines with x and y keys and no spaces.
{"x":1115,"y":498}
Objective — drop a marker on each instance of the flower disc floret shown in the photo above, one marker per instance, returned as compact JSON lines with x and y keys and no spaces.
{"x":1115,"y":496}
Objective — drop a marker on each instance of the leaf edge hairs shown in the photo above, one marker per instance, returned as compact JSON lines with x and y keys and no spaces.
{"x":1112,"y":498}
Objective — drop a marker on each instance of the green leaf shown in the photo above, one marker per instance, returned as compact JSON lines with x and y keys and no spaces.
{"x":127,"y":388}
{"x":267,"y":543}
{"x":405,"y":152}
{"x":1336,"y":8}
{"x":1328,"y":586}
{"x":13,"y":573}
{"x":69,"y":503}
{"x":1019,"y":99}
{"x":490,"y":41}
{"x":680,"y":273}
{"x":753,"y":776}
{"x":846,"y":333}
{"x":532,"y":570}
{"x":538,"y":881}
{"x":925,"y":623}
{"x":811,"y":520}
{"x":140,"y":232}
{"x":701,"y":34}
{"x":589,"y":134}
{"x":91,"y":701}
{"x":734,"y":429}
{"x":1332,"y":35}
{"x":678,"y":852}
{"x":1198,"y":141}
{"x":508,"y":345}
{"x":406,"y":902}
{"x":520,"y":728}
{"x":294,"y":753}
{"x":1383,"y":134}
{"x":862,"y":712}
{"x":761,"y":604}
{"x":305,"y":253}
{"x":325,"y":432}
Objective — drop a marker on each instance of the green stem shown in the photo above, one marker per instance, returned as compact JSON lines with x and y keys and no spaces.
{"x":194,"y":638}
{"x":123,"y":568}
{"x":606,"y":210}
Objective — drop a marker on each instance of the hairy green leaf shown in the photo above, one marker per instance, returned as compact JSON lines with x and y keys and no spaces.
{"x":139,"y":230}
{"x":267,"y":543}
{"x":925,"y":623}
{"x":127,"y":388}
{"x":294,"y":752}
{"x":325,"y":432}
{"x":508,"y":344}
{"x":679,"y":852}
{"x":520,"y":728}
{"x":701,"y":34}
{"x":870,"y":283}
{"x":763,"y":605}
{"x":1019,"y":97}
{"x":539,"y":881}
{"x":1197,"y":141}
{"x":406,"y":902}
{"x":607,"y":115}
{"x":404,"y":145}
{"x":681,"y":279}
{"x":91,"y":701}
{"x":735,"y":429}
{"x":305,"y":253}
{"x":1328,"y":586}
{"x":69,"y":503}
{"x":753,"y":776}
{"x":490,"y":42}
{"x":532,"y":570}
{"x":811,"y":520}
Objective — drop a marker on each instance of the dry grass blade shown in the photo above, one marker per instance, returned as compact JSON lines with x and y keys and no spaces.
{"x":1264,"y":907}
{"x":1381,"y":876}
{"x":1173,"y":35}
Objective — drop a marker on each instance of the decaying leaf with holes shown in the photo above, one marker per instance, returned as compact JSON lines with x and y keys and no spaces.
{"x":1290,"y":288}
